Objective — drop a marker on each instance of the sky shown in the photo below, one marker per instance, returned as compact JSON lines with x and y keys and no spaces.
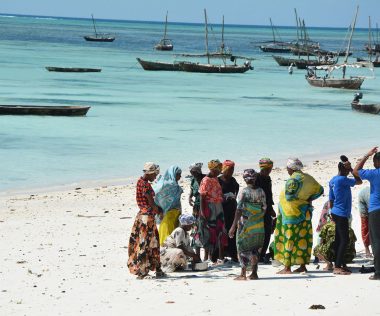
{"x":324,"y":13}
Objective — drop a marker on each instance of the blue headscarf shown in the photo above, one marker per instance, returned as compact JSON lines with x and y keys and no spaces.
{"x":168,"y":192}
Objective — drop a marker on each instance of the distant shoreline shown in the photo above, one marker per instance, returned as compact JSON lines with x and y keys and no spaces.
{"x":173,"y":22}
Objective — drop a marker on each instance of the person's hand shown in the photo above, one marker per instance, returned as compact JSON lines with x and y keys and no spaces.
{"x":372,"y":151}
{"x":272,"y":213}
{"x":347,"y":165}
{"x":191,"y":201}
{"x":231,"y":233}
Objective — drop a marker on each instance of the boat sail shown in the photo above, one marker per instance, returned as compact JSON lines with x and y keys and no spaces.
{"x":165,"y":43}
{"x":329,"y":81}
{"x":98,"y":37}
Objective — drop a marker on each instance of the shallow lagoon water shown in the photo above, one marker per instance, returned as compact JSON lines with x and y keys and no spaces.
{"x":166,"y":117}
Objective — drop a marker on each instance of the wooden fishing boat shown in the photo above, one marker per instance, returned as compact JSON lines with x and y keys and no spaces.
{"x":73,"y":69}
{"x":275,"y":46}
{"x":304,"y":63}
{"x":158,"y":65}
{"x":98,"y":37}
{"x":284,"y":61}
{"x":212,"y":68}
{"x":165,"y":43}
{"x":376,"y":62}
{"x":345,"y":82}
{"x":365,"y":108}
{"x":217,"y":68}
{"x":341,"y":83}
{"x":61,"y":110}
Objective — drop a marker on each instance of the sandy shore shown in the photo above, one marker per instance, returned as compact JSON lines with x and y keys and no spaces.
{"x":65,"y":253}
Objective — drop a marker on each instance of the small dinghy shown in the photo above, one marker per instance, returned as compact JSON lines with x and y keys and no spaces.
{"x":365,"y":108}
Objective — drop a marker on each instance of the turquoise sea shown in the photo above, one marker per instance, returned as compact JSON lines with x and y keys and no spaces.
{"x":166,"y":117}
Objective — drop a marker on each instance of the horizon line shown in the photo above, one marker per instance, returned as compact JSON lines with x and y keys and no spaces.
{"x":173,"y":22}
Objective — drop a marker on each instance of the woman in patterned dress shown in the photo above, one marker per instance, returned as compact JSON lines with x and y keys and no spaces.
{"x":211,"y":230}
{"x":249,"y":219}
{"x":144,"y":248}
{"x":294,"y":233}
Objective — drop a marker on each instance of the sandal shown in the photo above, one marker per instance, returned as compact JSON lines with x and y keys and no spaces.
{"x":160,"y":274}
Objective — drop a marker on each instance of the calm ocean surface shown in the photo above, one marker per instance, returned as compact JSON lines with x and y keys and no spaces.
{"x":166,"y":117}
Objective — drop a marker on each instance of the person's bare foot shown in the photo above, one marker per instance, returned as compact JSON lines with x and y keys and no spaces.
{"x":141,"y":276}
{"x":300,"y":269}
{"x":328,"y":267}
{"x":341,"y":271}
{"x":284,"y":271}
{"x":241,"y":278}
{"x":254,"y":276}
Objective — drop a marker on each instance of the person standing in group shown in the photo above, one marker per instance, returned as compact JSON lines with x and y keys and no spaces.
{"x":196,"y":178}
{"x":168,"y":197}
{"x":143,"y":247}
{"x":230,"y":190}
{"x":264,"y":182}
{"x":249,"y":219}
{"x":211,"y":229}
{"x":293,"y":240}
{"x":363,"y":205}
{"x":340,"y":200}
{"x":373,"y":176}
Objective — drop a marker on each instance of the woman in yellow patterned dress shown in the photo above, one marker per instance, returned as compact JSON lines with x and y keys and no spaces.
{"x":293,"y":240}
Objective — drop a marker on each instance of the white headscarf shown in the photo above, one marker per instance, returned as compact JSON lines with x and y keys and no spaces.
{"x":186,"y":219}
{"x":294,"y":164}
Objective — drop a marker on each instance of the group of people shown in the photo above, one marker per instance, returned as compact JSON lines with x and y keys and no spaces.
{"x":228,"y":221}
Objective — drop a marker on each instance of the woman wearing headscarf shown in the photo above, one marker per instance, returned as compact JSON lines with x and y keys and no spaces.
{"x":168,"y":197}
{"x":249,"y":219}
{"x":196,"y":178}
{"x":230,"y":190}
{"x":176,"y":248}
{"x":294,"y":232}
{"x":211,"y":230}
{"x":143,"y":247}
{"x":264,"y":181}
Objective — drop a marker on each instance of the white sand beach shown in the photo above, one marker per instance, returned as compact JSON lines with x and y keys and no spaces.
{"x":65,"y":253}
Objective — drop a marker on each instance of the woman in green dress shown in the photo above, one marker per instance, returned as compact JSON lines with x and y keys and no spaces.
{"x":293,"y":240}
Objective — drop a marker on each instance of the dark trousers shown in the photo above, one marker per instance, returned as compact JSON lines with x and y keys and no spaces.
{"x":374,"y":235}
{"x":267,"y":233}
{"x":341,"y":239}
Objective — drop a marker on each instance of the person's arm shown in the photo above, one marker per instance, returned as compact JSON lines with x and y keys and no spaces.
{"x":331,"y":196}
{"x":347,"y":165}
{"x":238,"y":214}
{"x":359,"y":166}
{"x":152,"y":204}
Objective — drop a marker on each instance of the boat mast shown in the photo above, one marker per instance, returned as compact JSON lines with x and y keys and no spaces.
{"x":352,"y":33}
{"x":222,"y":44}
{"x":274,"y":36}
{"x":369,"y":39}
{"x":206,"y":38}
{"x":166,"y":24}
{"x":295,"y":11}
{"x":93,"y":22}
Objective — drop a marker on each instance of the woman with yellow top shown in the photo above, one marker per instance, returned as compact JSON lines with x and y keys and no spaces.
{"x":293,"y":240}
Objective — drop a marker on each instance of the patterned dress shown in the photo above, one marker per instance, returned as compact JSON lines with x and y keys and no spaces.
{"x":250,"y":235}
{"x":143,"y":247}
{"x":211,"y":230}
{"x":293,"y":236}
{"x":326,"y":247}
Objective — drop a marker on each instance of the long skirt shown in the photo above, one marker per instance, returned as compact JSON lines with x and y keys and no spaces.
{"x":143,"y":248}
{"x":211,"y":230}
{"x":365,"y":230}
{"x":293,"y":242}
{"x":172,"y":259}
{"x":168,"y":224}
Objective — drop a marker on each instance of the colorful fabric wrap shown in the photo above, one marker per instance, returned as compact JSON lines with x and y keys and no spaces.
{"x":214,"y":164}
{"x":186,"y":219}
{"x":294,"y":164}
{"x":227,"y":164}
{"x":265,"y":163}
{"x":249,"y":174}
{"x":197,"y":166}
{"x":150,"y":168}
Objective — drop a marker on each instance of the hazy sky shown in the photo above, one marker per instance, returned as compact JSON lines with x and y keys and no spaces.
{"x":316,"y":13}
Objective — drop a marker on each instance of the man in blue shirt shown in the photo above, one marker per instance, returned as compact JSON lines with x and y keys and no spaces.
{"x":340,"y":199}
{"x":373,"y":176}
